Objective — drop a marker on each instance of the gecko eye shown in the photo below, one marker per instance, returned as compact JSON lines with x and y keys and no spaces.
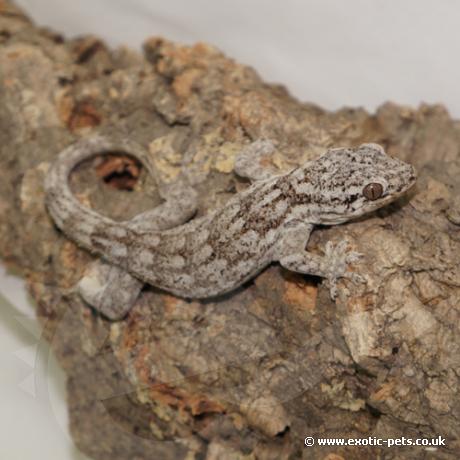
{"x":373,"y":191}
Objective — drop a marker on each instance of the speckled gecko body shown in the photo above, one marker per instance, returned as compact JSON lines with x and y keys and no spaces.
{"x":269,"y":221}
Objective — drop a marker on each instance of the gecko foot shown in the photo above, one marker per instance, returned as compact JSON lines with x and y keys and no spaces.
{"x":338,"y":259}
{"x":109,"y":289}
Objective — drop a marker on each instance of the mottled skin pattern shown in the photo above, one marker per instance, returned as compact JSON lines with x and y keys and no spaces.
{"x":269,"y":221}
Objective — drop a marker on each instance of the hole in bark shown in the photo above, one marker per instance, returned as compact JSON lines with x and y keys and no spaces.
{"x":394,"y":350}
{"x":283,"y":433}
{"x":201,"y":417}
{"x":373,"y":411}
{"x":63,"y":81}
{"x":119,"y":171}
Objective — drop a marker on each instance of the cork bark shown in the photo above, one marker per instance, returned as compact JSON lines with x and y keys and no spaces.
{"x":251,"y":374}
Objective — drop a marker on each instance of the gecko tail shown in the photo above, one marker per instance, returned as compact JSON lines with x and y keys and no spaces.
{"x":76,"y":220}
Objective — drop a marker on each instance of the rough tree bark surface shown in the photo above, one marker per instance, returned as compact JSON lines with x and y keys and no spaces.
{"x":250,"y":375}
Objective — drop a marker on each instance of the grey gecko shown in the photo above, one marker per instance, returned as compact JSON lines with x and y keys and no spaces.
{"x":269,"y":221}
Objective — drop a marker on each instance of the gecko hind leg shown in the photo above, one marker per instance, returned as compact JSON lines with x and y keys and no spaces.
{"x":110,"y":289}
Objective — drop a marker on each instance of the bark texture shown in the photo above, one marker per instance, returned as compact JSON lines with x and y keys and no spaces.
{"x":250,"y":375}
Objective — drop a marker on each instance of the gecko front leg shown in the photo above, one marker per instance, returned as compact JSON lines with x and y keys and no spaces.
{"x":333,"y":265}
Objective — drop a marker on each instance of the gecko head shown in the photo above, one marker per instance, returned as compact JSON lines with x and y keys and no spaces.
{"x":355,"y":181}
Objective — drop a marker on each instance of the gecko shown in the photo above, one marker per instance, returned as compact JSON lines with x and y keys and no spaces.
{"x":202,"y":257}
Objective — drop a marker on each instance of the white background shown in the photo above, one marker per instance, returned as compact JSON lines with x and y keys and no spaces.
{"x":331,"y":52}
